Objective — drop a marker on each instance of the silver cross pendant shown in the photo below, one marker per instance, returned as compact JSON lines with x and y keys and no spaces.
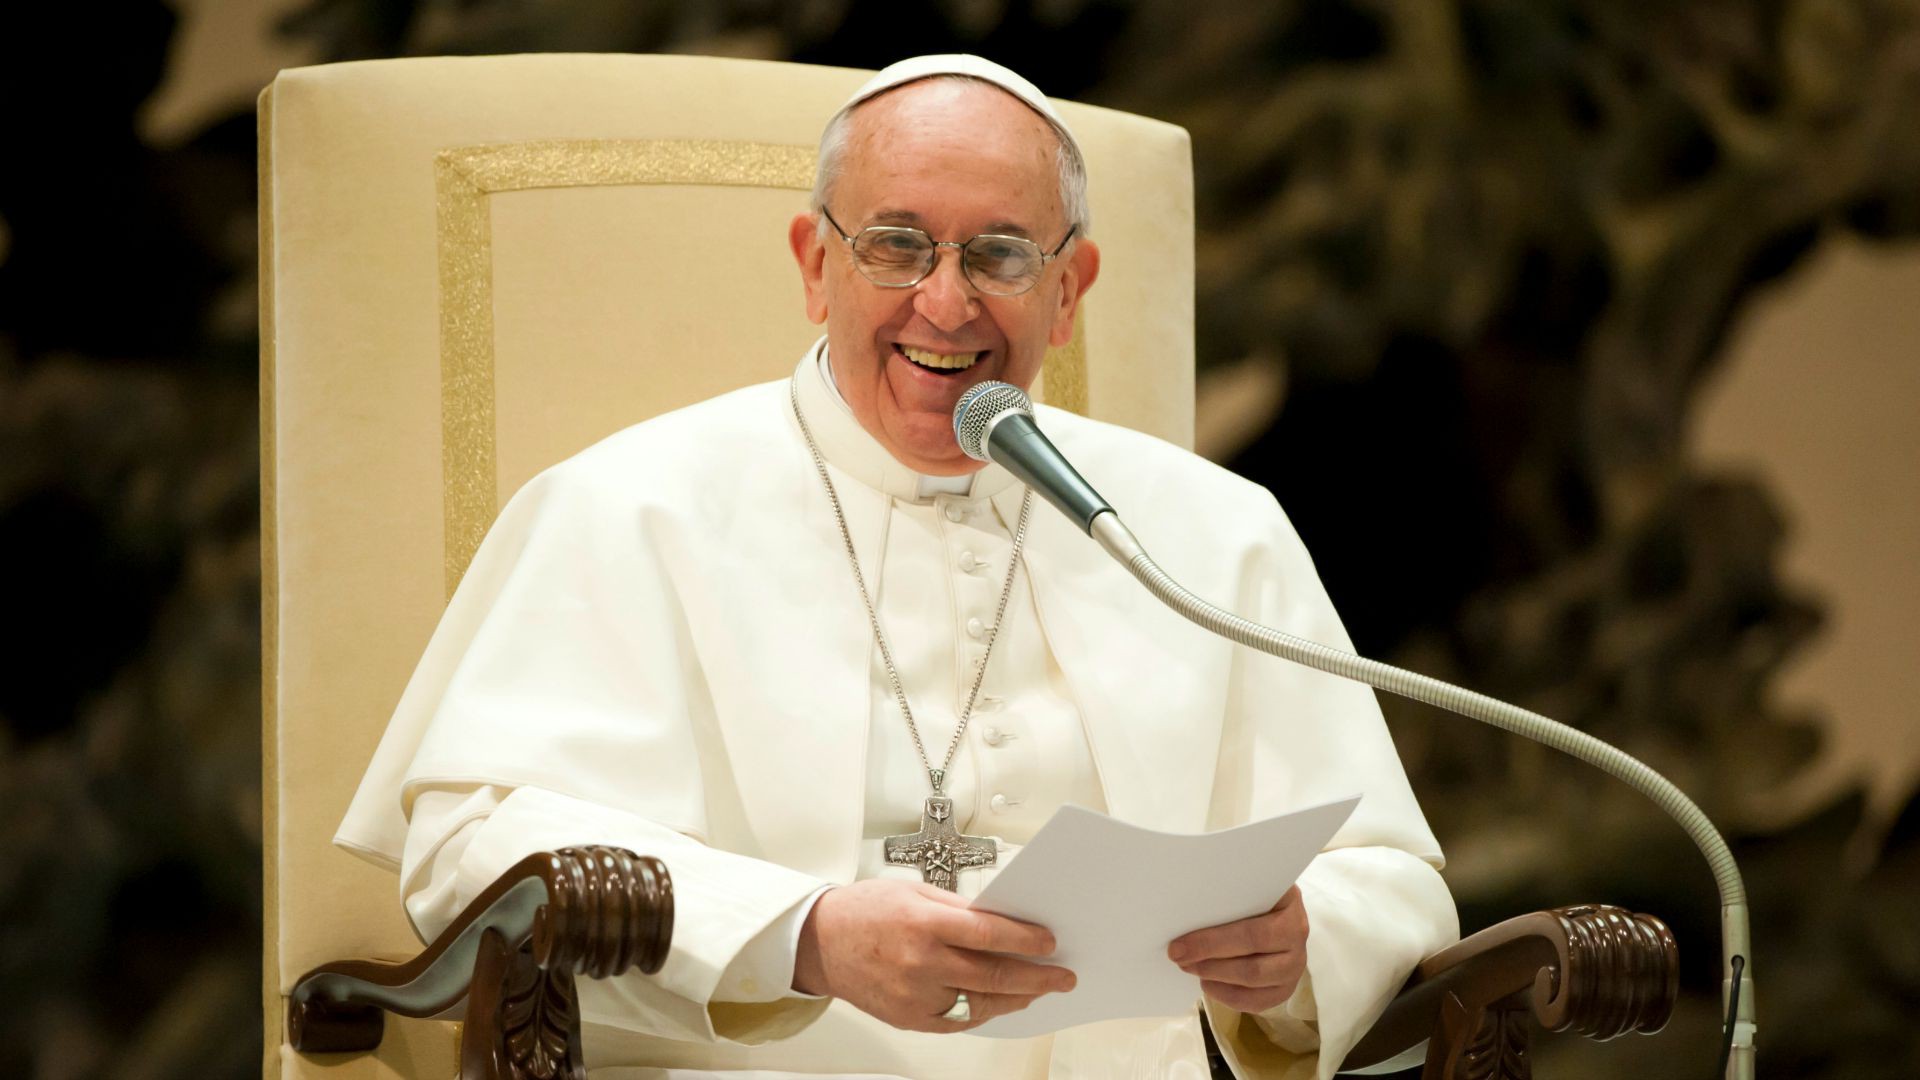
{"x":938,"y":849}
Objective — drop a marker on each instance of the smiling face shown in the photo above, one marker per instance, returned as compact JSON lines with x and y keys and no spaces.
{"x":954,"y":159}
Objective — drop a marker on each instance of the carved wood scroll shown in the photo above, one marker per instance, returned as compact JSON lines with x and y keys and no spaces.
{"x":511,"y":956}
{"x":1596,"y":970}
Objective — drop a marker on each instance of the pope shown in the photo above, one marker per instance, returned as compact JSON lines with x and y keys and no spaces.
{"x":834,"y":672}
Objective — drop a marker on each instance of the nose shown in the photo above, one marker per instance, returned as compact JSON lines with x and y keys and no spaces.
{"x":945,"y":297}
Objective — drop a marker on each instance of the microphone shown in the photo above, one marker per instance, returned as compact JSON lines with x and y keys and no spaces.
{"x":993,"y":421}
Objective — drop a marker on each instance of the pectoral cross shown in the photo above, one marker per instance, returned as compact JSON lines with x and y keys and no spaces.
{"x":938,"y":849}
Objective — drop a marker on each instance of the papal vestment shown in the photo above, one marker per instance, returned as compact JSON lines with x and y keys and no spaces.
{"x":660,"y":646}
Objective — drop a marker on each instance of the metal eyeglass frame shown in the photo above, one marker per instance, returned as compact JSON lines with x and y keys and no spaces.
{"x":934,"y":262}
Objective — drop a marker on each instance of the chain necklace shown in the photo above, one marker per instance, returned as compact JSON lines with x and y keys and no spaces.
{"x":938,"y":849}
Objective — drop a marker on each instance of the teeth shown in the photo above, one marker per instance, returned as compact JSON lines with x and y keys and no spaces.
{"x":940,"y":360}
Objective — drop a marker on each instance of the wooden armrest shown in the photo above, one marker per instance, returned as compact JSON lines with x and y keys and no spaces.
{"x":1600,"y":971}
{"x":511,"y":956}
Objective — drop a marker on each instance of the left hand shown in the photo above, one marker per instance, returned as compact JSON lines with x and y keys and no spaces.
{"x":1251,"y":965}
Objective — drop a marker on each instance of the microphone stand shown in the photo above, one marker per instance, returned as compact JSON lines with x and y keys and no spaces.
{"x":1736,"y":990}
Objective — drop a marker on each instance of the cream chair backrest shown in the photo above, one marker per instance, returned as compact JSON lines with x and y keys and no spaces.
{"x":474,"y":267}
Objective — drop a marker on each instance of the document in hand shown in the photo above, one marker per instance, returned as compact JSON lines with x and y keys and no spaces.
{"x":1115,"y":895}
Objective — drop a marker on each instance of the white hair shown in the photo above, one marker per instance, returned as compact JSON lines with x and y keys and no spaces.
{"x":1067,"y":160}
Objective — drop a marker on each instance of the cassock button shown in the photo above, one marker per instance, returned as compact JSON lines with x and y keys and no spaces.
{"x":976,"y":629}
{"x":999,"y":804}
{"x":955,"y":514}
{"x":992,"y":736}
{"x":967,"y":561}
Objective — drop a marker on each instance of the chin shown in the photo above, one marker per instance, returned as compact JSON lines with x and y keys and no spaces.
{"x":958,"y":465}
{"x":925,"y":444}
{"x":950,"y":462}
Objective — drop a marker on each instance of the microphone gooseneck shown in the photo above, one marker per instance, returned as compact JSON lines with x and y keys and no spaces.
{"x":986,"y":409}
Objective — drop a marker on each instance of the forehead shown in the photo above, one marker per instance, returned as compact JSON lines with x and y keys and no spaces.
{"x":943,"y":146}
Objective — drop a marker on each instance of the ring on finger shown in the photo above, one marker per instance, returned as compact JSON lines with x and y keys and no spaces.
{"x":962,"y":1011}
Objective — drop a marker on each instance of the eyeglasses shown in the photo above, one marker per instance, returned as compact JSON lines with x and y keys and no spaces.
{"x":897,"y":257}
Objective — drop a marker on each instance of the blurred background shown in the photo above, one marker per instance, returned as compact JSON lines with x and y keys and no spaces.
{"x":1577,"y":336}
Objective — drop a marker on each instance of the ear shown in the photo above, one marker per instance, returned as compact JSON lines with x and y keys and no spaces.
{"x":803,"y":236}
{"x":1083,"y":266}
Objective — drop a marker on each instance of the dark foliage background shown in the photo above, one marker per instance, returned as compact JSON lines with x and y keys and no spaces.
{"x":1489,"y":246}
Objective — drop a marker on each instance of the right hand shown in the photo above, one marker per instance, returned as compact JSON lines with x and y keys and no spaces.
{"x":901,"y":950}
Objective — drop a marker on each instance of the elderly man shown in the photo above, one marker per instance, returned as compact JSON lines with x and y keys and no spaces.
{"x":770,"y":637}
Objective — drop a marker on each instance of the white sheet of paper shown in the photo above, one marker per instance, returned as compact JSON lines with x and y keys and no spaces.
{"x":1115,"y":895}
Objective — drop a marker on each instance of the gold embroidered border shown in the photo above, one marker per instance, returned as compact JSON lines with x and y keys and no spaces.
{"x":1063,"y":375}
{"x":463,"y":179}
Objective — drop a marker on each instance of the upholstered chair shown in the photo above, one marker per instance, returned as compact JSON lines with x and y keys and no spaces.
{"x":472,"y":268}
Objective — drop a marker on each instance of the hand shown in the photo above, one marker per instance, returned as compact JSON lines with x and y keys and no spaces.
{"x":1251,"y":965}
{"x":901,"y":950}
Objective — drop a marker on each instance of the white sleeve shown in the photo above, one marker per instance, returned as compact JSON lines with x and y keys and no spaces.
{"x":736,"y":919}
{"x":1376,"y":904}
{"x":763,"y":969}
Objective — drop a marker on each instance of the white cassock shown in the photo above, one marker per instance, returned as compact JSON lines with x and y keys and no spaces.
{"x":660,"y":646}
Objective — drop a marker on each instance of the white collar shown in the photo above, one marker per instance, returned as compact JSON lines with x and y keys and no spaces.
{"x":849,"y":448}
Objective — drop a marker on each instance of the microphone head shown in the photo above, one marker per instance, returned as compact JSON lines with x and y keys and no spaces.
{"x":974,"y":413}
